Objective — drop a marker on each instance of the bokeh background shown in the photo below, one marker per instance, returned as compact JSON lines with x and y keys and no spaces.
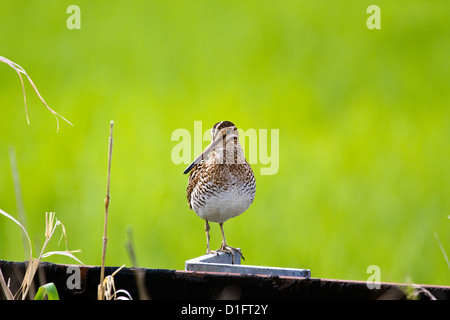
{"x":363,"y":117}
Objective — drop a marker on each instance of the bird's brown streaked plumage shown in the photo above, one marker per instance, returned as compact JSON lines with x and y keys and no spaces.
{"x":221,"y":184}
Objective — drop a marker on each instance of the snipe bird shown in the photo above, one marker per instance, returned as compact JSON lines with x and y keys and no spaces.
{"x":222,"y":183}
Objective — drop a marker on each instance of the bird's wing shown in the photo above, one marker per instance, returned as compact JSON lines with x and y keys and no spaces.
{"x":194,"y":178}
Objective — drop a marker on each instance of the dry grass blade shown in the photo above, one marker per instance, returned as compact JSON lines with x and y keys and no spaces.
{"x":128,"y":295}
{"x":33,"y":264}
{"x":49,"y":219}
{"x":50,"y":227}
{"x":22,"y":227}
{"x":21,"y":71}
{"x":5,"y":287}
{"x":418,"y":289}
{"x":414,"y":291}
{"x":66,"y":253}
{"x":110,"y":288}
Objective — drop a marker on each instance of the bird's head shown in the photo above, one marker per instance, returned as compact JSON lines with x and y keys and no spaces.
{"x":223,"y":130}
{"x":223,"y":133}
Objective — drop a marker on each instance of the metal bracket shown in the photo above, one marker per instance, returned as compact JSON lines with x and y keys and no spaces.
{"x":222,"y":262}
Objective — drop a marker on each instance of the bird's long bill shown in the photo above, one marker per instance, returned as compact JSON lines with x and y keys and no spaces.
{"x":205,"y":152}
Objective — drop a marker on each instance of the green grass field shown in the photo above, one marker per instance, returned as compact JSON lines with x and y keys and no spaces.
{"x":363,"y":118}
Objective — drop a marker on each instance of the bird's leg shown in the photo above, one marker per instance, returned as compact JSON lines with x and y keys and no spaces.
{"x":208,"y":250}
{"x":226,"y":248}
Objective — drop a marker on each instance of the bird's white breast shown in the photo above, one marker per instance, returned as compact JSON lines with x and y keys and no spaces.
{"x":223,"y":205}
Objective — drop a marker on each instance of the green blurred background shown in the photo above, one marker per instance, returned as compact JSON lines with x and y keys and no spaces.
{"x":363,"y":117}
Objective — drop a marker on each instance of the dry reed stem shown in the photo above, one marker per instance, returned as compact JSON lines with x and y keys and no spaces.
{"x":101,"y":286}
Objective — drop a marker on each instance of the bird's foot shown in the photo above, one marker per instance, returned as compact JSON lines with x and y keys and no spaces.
{"x":226,"y":248}
{"x":212,"y":252}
